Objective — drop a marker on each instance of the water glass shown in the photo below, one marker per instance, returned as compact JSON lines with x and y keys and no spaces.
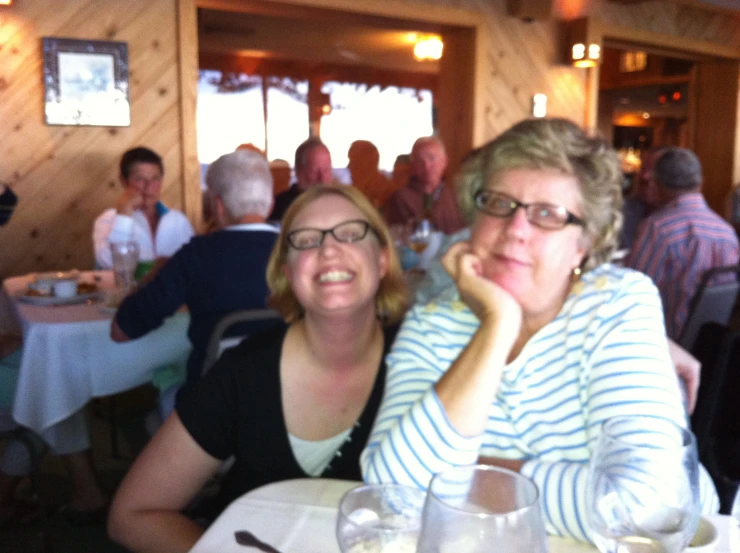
{"x":643,"y":488}
{"x":482,"y":509}
{"x":380,"y":518}
{"x":125,"y":259}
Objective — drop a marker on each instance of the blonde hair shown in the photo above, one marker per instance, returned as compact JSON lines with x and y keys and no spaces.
{"x":391,"y":299}
{"x":561,"y":146}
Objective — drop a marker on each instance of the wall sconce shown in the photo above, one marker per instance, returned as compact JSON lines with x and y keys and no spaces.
{"x":6,"y":2}
{"x":584,"y":49}
{"x":539,"y":105}
{"x":585,"y":57}
{"x":428,"y":48}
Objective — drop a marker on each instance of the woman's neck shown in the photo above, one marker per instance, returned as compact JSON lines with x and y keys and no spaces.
{"x":532,"y":323}
{"x":341,"y":342}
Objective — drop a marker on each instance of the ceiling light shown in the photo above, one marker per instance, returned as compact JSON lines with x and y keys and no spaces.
{"x":428,"y":48}
{"x":6,"y":2}
{"x":646,"y":115}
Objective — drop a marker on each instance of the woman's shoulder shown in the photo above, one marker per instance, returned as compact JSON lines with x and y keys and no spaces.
{"x":258,"y":349}
{"x":613,"y":280}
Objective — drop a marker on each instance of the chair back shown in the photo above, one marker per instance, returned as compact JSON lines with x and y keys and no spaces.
{"x":712,"y":302}
{"x":223,"y":338}
{"x":716,"y":418}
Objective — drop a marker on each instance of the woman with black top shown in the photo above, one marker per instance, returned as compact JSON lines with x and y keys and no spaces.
{"x":293,"y":402}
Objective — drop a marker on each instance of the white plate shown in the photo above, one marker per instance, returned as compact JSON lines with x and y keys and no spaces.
{"x":54,"y":300}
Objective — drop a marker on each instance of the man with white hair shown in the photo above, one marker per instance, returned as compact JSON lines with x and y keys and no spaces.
{"x":426,"y":196}
{"x":217,"y":273}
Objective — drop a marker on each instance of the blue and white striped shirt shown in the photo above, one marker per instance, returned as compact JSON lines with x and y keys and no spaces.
{"x":604,"y":355}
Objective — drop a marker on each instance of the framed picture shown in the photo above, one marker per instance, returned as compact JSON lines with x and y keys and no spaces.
{"x":86,"y":82}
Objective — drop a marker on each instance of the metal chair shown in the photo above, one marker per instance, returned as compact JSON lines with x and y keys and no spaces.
{"x":223,"y":335}
{"x":713,"y":303}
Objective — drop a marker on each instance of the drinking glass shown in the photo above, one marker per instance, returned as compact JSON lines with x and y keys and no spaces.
{"x":643,"y":487}
{"x":482,"y":509}
{"x":380,"y":518}
{"x":125,"y":259}
{"x":420,"y":235}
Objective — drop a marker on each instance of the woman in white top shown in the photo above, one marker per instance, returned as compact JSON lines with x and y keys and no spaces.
{"x":139,"y":215}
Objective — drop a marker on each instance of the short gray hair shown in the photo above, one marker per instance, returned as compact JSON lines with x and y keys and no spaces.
{"x":678,"y":169}
{"x":243,"y":181}
{"x":424,"y":140}
{"x":563,"y":147}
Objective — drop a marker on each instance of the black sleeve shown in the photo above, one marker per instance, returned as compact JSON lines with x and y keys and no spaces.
{"x":146,"y":309}
{"x":209,"y":410}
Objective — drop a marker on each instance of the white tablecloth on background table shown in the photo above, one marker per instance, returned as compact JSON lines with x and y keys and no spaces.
{"x":69,"y":358}
{"x":299,"y":516}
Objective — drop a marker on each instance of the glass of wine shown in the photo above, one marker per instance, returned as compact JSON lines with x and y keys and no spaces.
{"x":482,"y":509}
{"x":643,"y":486}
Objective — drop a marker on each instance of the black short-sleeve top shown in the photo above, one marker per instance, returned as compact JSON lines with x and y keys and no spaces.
{"x":237,"y":410}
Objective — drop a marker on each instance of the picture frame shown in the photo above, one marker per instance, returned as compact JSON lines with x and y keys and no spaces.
{"x":86,"y":82}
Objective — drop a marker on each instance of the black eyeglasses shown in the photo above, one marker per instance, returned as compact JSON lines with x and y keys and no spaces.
{"x":347,"y":232}
{"x":543,"y":215}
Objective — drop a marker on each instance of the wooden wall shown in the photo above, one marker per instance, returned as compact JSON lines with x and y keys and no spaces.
{"x":65,"y":176}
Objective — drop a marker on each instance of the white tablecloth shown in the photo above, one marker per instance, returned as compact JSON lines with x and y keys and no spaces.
{"x":69,"y":358}
{"x":299,"y":516}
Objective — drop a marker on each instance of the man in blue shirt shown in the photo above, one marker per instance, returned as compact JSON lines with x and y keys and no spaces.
{"x":214,"y":274}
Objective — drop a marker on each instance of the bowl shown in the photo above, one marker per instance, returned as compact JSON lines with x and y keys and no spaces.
{"x":705,"y":538}
{"x":65,"y":287}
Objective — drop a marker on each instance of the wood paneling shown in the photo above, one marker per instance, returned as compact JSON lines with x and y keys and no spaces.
{"x":66,"y":176}
{"x":716,"y":132}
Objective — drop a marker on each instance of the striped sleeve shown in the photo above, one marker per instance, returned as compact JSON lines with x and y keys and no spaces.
{"x":412,"y":438}
{"x":627,"y":371}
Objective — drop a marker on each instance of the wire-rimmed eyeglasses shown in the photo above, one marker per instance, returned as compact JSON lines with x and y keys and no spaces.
{"x":540,"y":214}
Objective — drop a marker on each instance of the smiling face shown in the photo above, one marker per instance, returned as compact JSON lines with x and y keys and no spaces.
{"x":335,"y":277}
{"x":533,"y":264}
{"x":146,"y":179}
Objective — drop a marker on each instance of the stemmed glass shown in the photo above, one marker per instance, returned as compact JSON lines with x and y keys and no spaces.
{"x":643,"y":487}
{"x":482,"y":509}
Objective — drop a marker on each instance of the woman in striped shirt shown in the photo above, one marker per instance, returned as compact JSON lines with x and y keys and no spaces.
{"x":543,"y":339}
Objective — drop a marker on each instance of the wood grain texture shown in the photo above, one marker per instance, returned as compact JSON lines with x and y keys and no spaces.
{"x":65,"y":176}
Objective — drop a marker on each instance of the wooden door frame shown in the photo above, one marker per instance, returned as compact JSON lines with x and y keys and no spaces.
{"x":470,"y":112}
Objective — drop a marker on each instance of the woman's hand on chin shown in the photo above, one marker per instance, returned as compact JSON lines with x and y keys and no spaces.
{"x":488,"y":300}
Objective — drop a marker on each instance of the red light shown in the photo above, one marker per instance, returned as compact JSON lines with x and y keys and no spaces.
{"x":676,"y":96}
{"x":663,"y":99}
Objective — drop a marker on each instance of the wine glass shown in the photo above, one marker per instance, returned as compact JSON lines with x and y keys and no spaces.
{"x":643,"y":486}
{"x":380,"y":518}
{"x":482,"y":509}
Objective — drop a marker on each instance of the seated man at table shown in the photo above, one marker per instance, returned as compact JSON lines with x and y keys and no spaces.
{"x":683,"y":239}
{"x":312,"y":168}
{"x":426,"y":196}
{"x":217,"y":273}
{"x":139,"y":215}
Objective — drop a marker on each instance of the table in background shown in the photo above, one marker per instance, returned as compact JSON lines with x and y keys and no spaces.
{"x":69,"y":358}
{"x":299,"y":516}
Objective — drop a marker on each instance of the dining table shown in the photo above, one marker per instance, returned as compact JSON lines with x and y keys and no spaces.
{"x":299,"y":516}
{"x":68,"y":357}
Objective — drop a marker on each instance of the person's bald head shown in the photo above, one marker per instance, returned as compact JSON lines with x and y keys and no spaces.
{"x":428,"y":161}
